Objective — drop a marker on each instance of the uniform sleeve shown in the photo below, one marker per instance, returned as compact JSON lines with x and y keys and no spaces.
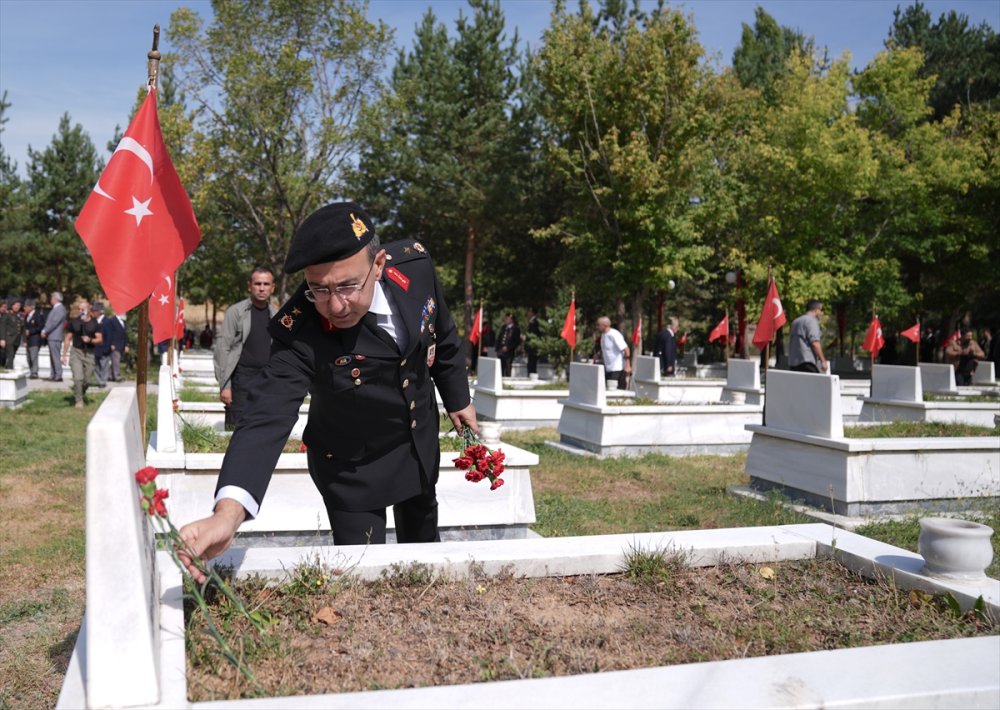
{"x":271,"y":412}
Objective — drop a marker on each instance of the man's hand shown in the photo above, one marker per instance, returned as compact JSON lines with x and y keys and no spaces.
{"x":464,"y":418}
{"x":210,"y":537}
{"x":226,"y":396}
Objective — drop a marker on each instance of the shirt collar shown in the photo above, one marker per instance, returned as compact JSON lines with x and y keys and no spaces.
{"x":380,"y":304}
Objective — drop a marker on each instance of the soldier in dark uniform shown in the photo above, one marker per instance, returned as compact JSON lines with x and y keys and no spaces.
{"x":368,"y":336}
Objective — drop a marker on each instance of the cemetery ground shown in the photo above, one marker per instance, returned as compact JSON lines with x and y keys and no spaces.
{"x":658,"y":611}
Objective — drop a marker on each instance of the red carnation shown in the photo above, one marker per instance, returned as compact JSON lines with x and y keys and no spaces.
{"x":462,"y":463}
{"x":146,"y":475}
{"x":496,"y":484}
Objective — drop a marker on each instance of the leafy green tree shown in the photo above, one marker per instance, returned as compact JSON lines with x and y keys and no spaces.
{"x":964,"y":61}
{"x":628,"y":105}
{"x":448,"y":158}
{"x":277,"y":87}
{"x":44,"y":252}
{"x":763,"y":52}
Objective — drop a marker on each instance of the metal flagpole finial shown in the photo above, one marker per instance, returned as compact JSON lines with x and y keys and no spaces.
{"x":154,"y":57}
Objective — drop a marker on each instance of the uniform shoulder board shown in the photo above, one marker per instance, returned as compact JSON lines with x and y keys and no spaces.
{"x":291,"y":316}
{"x":405,"y":250}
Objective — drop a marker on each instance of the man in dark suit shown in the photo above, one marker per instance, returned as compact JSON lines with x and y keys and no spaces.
{"x":666,"y":348}
{"x":368,"y":336}
{"x":508,"y":341}
{"x":34,"y":321}
{"x":116,"y":341}
{"x":531,"y":347}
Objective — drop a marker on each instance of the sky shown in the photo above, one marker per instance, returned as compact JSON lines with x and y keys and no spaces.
{"x":88,"y":57}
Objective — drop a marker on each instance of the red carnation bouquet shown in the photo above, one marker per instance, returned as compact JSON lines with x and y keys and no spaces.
{"x":479,"y":462}
{"x":152,"y":500}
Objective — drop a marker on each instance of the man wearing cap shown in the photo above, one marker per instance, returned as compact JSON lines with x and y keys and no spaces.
{"x":368,"y":336}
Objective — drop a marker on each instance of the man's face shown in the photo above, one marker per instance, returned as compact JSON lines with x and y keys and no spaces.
{"x":966,"y":339}
{"x":261,"y":287}
{"x":603,"y":327}
{"x":356,"y":270}
{"x":16,"y":308}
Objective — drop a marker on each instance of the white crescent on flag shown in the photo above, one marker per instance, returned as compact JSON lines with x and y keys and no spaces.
{"x":130,"y":145}
{"x":777,"y":302}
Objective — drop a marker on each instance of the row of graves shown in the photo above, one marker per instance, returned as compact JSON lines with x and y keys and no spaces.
{"x":131,"y":649}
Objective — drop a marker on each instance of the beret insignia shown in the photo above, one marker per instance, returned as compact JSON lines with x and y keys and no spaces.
{"x":419,"y":247}
{"x":358,"y":226}
{"x":287,"y":321}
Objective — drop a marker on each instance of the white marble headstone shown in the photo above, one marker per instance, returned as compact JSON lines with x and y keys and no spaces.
{"x":985,"y":373}
{"x":897,"y":382}
{"x":586,"y":384}
{"x":122,"y":588}
{"x":743,"y":374}
{"x":166,"y":430}
{"x":647,"y":368}
{"x":938,"y":377}
{"x":805,"y":403}
{"x":488,"y":374}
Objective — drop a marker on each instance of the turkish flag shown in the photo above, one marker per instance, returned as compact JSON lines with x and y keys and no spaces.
{"x":179,"y":334}
{"x":912,"y":333}
{"x":637,"y":332}
{"x":721,"y":330}
{"x":477,"y":328}
{"x":772,"y":317}
{"x":951,"y":338}
{"x":873,"y":338}
{"x":138,"y":223}
{"x":161,"y":310}
{"x":569,"y":326}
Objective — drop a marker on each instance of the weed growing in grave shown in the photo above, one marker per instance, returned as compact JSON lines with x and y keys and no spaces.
{"x":652,"y":566}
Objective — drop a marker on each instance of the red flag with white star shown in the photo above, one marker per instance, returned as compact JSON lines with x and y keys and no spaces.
{"x":772,"y":317}
{"x":161,"y":310}
{"x":179,"y":334}
{"x":568,"y":332}
{"x":477,"y":328}
{"x":912,"y":333}
{"x":138,"y":223}
{"x":721,"y":330}
{"x":873,"y":338}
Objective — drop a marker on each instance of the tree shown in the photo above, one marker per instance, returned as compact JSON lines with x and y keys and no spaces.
{"x":448,"y":159}
{"x":627,"y":104}
{"x":764,"y":50}
{"x":44,"y":252}
{"x":963,"y":61}
{"x":277,"y":88}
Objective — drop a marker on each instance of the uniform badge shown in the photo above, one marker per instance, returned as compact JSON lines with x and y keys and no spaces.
{"x":296,"y":312}
{"x":287,"y":321}
{"x":407,"y":250}
{"x":428,"y":311}
{"x":431,"y":351}
{"x":341,"y":361}
{"x":399,"y":277}
{"x":419,"y":247}
{"x":359,"y":358}
{"x":358,"y":226}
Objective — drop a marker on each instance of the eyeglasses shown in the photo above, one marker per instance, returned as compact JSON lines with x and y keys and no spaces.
{"x":344,"y":293}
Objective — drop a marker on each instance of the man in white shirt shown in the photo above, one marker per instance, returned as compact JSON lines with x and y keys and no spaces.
{"x":614,"y":350}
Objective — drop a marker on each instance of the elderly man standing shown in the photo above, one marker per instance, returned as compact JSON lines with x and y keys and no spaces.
{"x":615,"y":352}
{"x":369,"y":337}
{"x":244,"y":344}
{"x":805,"y":351}
{"x":83,"y":335}
{"x":52,"y":333}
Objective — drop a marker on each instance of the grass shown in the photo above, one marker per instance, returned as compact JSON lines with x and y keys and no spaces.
{"x":918,"y":430}
{"x":42,"y":464}
{"x":984,"y":397}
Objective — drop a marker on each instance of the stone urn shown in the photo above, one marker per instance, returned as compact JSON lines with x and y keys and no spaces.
{"x":955,"y":548}
{"x":737,"y":397}
{"x":489,"y":433}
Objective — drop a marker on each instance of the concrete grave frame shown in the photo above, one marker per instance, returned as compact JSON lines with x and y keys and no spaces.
{"x":802,"y":451}
{"x":515,"y":408}
{"x":131,"y":653}
{"x":898,"y":396}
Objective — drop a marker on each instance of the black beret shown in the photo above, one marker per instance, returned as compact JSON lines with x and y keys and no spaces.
{"x":331,"y":233}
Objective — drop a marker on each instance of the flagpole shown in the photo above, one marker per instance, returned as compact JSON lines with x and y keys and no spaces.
{"x":725,"y":350}
{"x":142,"y":339}
{"x":572,"y":302}
{"x":917,"y":363}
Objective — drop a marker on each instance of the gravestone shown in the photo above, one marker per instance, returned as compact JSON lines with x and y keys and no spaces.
{"x":900,"y":383}
{"x":489,"y":374}
{"x":13,"y":388}
{"x":647,"y":368}
{"x":985,"y":373}
{"x":937,"y":377}
{"x":123,"y":596}
{"x":586,"y":384}
{"x":743,"y":374}
{"x":805,"y":403}
{"x":166,"y":430}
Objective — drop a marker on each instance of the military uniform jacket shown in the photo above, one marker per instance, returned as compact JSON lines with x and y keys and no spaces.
{"x":372,"y":431}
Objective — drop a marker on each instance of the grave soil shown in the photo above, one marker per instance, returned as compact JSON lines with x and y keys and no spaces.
{"x":409,"y":630}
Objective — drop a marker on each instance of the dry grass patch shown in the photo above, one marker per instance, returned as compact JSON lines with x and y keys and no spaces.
{"x":410,"y":629}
